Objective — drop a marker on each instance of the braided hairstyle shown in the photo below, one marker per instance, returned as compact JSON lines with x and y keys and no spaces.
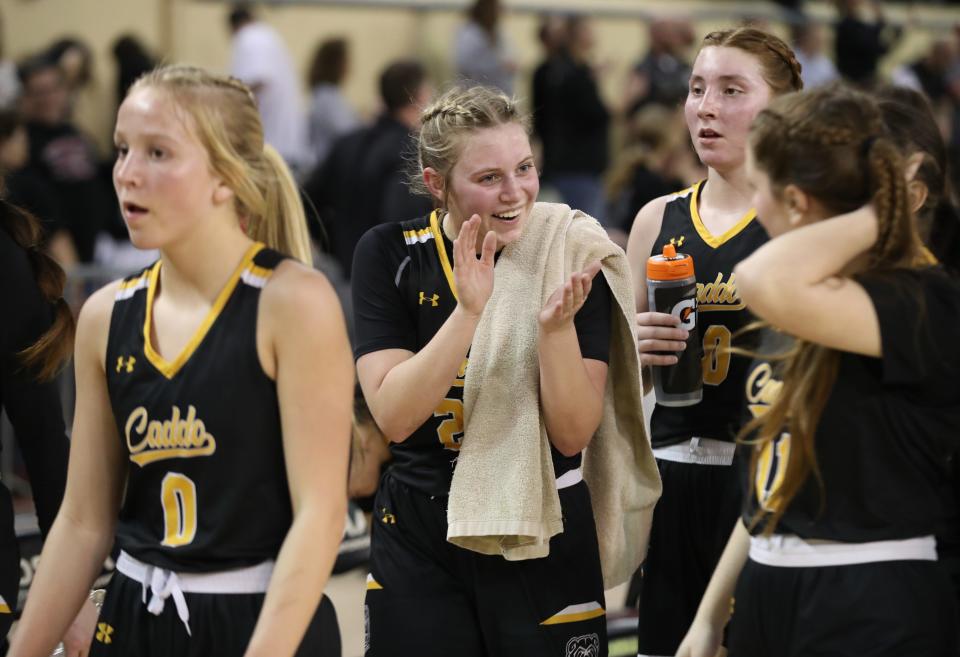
{"x":831,"y":143}
{"x":45,"y":357}
{"x":453,"y":116}
{"x":227,"y":123}
{"x":780,"y":67}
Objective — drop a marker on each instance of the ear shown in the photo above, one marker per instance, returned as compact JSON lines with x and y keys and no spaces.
{"x":913,"y":165}
{"x":797,"y":203}
{"x":434,"y":182}
{"x":917,"y":193}
{"x":222,"y":194}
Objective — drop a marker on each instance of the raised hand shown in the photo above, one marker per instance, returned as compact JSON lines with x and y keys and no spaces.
{"x":657,"y":333}
{"x":566,"y":300}
{"x":473,"y":276}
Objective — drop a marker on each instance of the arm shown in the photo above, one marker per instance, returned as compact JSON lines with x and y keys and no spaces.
{"x":571,"y":387}
{"x":705,"y":633}
{"x":402,"y":389}
{"x":655,"y":331}
{"x":82,"y":534}
{"x":304,"y":328}
{"x":795,"y":282}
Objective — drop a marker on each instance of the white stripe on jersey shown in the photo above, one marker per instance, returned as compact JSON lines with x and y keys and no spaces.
{"x":128,"y":288}
{"x":414,"y":236}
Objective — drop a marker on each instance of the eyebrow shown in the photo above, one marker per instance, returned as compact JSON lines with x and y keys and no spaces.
{"x":484,"y":170}
{"x":723,"y":78}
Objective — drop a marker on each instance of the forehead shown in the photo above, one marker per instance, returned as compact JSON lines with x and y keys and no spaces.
{"x":148,"y":109}
{"x":497,"y":146}
{"x":723,"y":61}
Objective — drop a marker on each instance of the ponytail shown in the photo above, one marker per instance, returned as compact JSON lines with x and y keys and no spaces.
{"x":897,"y":240}
{"x":47,"y":356}
{"x":283,"y":225}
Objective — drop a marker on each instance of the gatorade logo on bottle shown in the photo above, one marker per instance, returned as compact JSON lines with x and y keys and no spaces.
{"x":686,"y":311}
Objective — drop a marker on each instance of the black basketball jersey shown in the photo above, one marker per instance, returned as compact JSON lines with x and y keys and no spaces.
{"x":207,"y":486}
{"x":888,"y":430}
{"x":720,"y":314}
{"x":403,"y":292}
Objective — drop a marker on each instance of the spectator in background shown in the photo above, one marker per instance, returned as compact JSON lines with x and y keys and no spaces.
{"x":62,"y":156}
{"x":482,"y":54}
{"x":261,"y":60}
{"x":656,"y":160}
{"x":363,"y":181}
{"x":661,"y":76}
{"x":929,"y":73}
{"x":552,"y":35}
{"x":133,"y":60}
{"x":859,"y":44}
{"x":9,"y":83}
{"x":25,"y":189}
{"x":575,"y":141}
{"x":808,"y":44}
{"x":75,"y":59}
{"x":330,"y":114}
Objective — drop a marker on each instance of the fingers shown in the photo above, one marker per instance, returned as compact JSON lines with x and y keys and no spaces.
{"x":657,"y":359}
{"x":660,"y":345}
{"x":657,"y":319}
{"x":489,"y":247}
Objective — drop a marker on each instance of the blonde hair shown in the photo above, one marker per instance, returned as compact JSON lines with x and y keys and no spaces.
{"x":227,"y":123}
{"x":454,"y":115}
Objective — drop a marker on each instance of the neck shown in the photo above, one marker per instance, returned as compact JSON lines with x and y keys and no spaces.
{"x":408,"y":115}
{"x":200,"y":265}
{"x":726,"y":191}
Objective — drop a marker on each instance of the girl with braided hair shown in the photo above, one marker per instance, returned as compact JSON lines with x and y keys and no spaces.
{"x":213,"y":401}
{"x":855,"y":413}
{"x":735,"y":75}
{"x":418,"y":315}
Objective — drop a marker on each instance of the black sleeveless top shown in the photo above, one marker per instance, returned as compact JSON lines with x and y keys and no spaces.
{"x":720,"y":314}
{"x":207,"y":486}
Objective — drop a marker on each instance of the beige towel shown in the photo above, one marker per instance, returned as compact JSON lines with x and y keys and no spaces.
{"x":503,"y":499}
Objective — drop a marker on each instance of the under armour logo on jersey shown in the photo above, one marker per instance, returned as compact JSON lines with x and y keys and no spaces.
{"x":104,"y":632}
{"x":128,"y":366}
{"x":677,"y":241}
{"x":433,"y":300}
{"x":387,"y":518}
{"x":587,"y":645}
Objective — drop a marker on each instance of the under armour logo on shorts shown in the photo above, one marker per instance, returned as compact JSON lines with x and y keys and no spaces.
{"x":587,"y":645}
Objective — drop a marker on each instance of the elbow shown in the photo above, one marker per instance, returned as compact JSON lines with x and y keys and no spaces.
{"x":575,"y":437}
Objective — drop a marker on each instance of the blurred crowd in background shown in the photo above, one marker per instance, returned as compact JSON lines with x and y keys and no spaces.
{"x":605,"y":155}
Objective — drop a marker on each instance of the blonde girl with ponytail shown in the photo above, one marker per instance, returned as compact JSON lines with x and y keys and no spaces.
{"x":855,"y":413}
{"x":214,"y":401}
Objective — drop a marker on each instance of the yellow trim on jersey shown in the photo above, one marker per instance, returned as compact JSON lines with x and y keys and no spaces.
{"x":133,"y":282}
{"x":442,"y":252}
{"x":4,"y":607}
{"x":415,"y":236}
{"x":170,"y":368}
{"x":372,"y":584}
{"x":576,"y":613}
{"x":702,"y":230}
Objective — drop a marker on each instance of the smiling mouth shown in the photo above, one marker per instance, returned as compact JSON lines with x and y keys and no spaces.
{"x":507,"y":216}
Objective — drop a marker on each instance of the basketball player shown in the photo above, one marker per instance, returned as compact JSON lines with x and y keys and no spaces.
{"x":214,"y":400}
{"x":425,"y":596}
{"x":855,"y":419}
{"x":735,"y":75}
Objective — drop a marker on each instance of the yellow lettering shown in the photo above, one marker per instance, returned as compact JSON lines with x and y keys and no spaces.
{"x":173,"y":438}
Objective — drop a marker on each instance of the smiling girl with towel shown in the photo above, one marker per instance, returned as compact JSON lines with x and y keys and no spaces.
{"x":486,"y":340}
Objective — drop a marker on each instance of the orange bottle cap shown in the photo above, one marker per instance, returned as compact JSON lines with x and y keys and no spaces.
{"x":671,"y":266}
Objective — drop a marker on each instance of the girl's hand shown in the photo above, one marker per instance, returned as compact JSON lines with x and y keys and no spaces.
{"x":656,"y":333}
{"x":472,"y":276}
{"x":566,"y":300}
